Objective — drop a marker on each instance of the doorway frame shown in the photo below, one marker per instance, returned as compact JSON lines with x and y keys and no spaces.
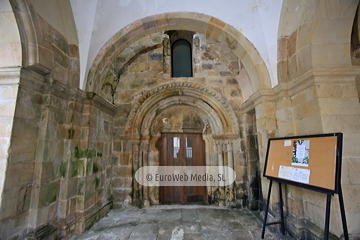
{"x":222,"y":140}
{"x":165,"y":153}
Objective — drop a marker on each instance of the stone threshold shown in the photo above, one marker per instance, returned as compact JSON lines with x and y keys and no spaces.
{"x":183,"y":206}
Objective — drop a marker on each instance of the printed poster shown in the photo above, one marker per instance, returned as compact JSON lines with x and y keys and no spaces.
{"x":301,"y":175}
{"x":300,"y":154}
{"x":294,"y":174}
{"x":285,"y":172}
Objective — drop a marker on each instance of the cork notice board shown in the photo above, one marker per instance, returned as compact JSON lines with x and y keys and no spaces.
{"x":312,"y":161}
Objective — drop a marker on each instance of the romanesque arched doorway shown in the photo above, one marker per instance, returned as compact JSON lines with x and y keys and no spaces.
{"x":226,"y":71}
{"x":184,"y":110}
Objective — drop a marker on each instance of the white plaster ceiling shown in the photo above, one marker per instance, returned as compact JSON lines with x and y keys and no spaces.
{"x":98,"y":20}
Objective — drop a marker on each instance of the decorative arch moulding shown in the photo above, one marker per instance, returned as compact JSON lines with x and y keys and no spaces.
{"x":187,"y":89}
{"x":228,"y":136}
{"x":202,"y":107}
{"x":190,"y":21}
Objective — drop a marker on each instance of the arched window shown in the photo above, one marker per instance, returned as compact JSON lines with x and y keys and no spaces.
{"x":181,"y":59}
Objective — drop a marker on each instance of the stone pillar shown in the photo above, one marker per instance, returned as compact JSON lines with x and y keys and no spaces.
{"x":229,"y":152}
{"x":240,"y":170}
{"x":219,"y":149}
{"x":140,"y":165}
{"x":135,"y":152}
{"x":230,"y":164}
{"x":339,"y":110}
{"x":43,"y":129}
{"x":64,"y":201}
{"x":264,"y":103}
{"x":209,"y":158}
{"x":79,"y":163}
{"x":145,"y":162}
{"x":208,"y":149}
{"x":122,"y":180}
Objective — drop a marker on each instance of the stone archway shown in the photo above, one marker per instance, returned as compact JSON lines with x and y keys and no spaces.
{"x":216,"y":121}
{"x":132,"y":139}
{"x":180,"y":88}
{"x":190,"y":21}
{"x":33,"y":55}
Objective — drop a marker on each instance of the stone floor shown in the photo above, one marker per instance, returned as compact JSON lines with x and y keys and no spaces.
{"x":178,"y":222}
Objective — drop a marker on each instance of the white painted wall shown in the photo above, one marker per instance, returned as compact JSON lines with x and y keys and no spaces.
{"x":84,"y":15}
{"x":258,"y":20}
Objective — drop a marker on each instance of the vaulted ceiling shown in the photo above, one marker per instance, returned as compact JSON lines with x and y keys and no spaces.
{"x":98,"y":20}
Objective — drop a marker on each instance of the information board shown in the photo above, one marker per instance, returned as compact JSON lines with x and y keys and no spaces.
{"x":312,"y":161}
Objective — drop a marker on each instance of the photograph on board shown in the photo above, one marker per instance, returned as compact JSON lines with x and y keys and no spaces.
{"x":300,"y":154}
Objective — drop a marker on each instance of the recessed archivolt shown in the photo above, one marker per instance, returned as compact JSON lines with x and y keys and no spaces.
{"x":189,"y":21}
{"x":199,"y":94}
{"x":205,"y":110}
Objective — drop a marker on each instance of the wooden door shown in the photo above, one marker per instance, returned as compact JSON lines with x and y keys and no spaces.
{"x":182,"y":149}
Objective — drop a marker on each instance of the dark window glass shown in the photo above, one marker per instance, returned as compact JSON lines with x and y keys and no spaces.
{"x":181,"y":59}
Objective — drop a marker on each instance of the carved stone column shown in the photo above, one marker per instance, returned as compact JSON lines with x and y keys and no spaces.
{"x":145,"y":162}
{"x":135,"y":152}
{"x":221,"y":190}
{"x":230,"y":163}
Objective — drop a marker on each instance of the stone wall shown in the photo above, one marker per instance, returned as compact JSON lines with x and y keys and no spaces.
{"x":146,"y":63}
{"x":62,"y":57}
{"x":67,"y":155}
{"x":313,"y":103}
{"x":317,"y":94}
{"x":330,"y":104}
{"x":59,"y":165}
{"x":145,"y":66}
{"x":58,"y":168}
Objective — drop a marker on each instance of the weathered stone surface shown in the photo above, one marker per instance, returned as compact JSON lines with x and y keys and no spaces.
{"x":58,"y":163}
{"x":179,"y":222}
{"x":156,"y":57}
